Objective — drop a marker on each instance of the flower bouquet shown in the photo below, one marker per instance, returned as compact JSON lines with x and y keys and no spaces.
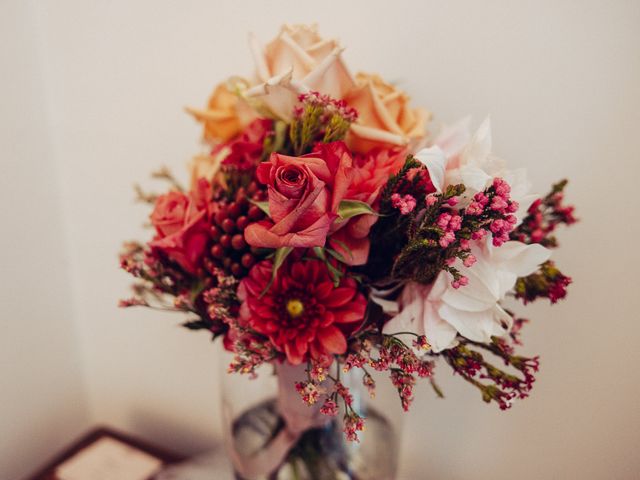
{"x":328,"y":235}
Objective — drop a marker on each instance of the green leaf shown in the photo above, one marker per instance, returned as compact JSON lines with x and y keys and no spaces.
{"x":195,"y":324}
{"x":335,"y":273}
{"x":319,"y":251}
{"x":344,"y":246}
{"x":352,"y":208}
{"x":436,"y":388}
{"x":264,"y":206}
{"x":279,"y":257}
{"x":337,"y":255}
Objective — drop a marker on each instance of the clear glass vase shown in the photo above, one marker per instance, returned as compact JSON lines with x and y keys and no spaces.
{"x":271,"y":434}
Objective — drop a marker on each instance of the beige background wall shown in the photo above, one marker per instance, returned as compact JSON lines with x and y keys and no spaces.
{"x":92,"y":97}
{"x":42,"y":396}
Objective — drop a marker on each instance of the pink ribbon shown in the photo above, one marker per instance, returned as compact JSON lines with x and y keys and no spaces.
{"x":298,"y":417}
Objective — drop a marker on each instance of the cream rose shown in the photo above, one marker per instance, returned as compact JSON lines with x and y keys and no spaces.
{"x":297,"y":61}
{"x":208,"y":166}
{"x":384,"y":115}
{"x":225,"y":116}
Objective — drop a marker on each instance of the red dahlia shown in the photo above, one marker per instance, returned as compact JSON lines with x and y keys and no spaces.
{"x":304,"y":315}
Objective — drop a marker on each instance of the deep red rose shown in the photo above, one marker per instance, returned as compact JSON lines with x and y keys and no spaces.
{"x":181,"y":227}
{"x":302,"y":312}
{"x":246,"y":149}
{"x":304,"y":195}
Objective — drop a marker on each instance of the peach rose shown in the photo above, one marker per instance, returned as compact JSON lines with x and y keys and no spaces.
{"x":384,"y":116}
{"x":371,"y":173}
{"x":181,"y":228}
{"x":225,"y":116}
{"x":208,"y":166}
{"x":297,"y":61}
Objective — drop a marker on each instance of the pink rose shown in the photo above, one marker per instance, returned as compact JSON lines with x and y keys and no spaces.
{"x":181,"y":227}
{"x":304,"y":196}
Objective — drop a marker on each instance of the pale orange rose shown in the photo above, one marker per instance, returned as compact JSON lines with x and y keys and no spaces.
{"x":384,"y":116}
{"x":297,"y":61}
{"x":225,"y":116}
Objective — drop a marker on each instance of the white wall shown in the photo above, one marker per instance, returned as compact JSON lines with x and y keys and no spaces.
{"x":42,"y":398}
{"x":560,"y":80}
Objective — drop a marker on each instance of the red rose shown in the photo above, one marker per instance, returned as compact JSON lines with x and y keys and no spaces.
{"x":246,"y":149}
{"x":304,"y":195}
{"x":181,"y":227}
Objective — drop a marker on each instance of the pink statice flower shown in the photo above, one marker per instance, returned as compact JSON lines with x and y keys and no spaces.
{"x":329,"y":407}
{"x":405,"y":203}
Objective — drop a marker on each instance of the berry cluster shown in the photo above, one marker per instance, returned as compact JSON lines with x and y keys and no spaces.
{"x":229,"y":250}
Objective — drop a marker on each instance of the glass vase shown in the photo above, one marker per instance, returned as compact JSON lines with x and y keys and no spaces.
{"x":271,"y":434}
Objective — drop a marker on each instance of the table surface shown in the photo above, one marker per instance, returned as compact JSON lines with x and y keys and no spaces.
{"x":200,"y":468}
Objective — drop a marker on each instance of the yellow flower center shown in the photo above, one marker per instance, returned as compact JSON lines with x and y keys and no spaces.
{"x":295,"y":307}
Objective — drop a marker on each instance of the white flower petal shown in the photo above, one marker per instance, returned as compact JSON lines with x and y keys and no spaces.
{"x":278,"y":95}
{"x":474,"y":178}
{"x":519,"y":258}
{"x":481,"y":292}
{"x":503,"y":321}
{"x":476,"y":326}
{"x":433,"y":158}
{"x":411,"y":317}
{"x":453,"y":138}
{"x":479,"y":148}
{"x":440,"y":334}
{"x":520,"y":191}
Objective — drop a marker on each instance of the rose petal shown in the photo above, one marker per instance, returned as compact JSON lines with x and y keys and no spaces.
{"x":259,"y":235}
{"x":358,"y":248}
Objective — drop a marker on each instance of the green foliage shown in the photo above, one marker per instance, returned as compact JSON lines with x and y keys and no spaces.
{"x":264,"y":206}
{"x":318,"y":119}
{"x":422,"y":258}
{"x":352,"y":208}
{"x":279,"y":256}
{"x":548,"y":282}
{"x":276,"y":142}
{"x":397,"y":182}
{"x":495,"y":384}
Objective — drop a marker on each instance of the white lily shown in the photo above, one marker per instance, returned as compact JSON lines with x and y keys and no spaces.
{"x":473,"y":164}
{"x":440,"y":311}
